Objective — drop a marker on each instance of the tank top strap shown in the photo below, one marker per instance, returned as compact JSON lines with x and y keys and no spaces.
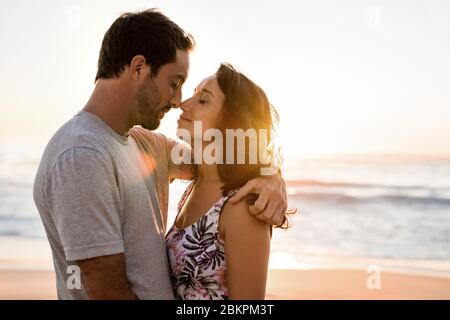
{"x":218,"y":206}
{"x":185,"y":195}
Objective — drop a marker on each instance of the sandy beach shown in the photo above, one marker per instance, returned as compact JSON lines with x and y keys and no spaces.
{"x":282,"y":284}
{"x":28,"y":274}
{"x":351,"y":284}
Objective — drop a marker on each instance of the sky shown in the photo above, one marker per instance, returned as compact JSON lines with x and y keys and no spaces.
{"x":347,"y":77}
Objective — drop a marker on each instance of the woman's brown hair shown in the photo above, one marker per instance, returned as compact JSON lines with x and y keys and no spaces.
{"x":246,"y":106}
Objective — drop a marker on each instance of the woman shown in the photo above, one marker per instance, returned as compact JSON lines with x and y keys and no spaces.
{"x":218,"y":250}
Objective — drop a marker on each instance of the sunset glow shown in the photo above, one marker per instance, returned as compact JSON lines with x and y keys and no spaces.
{"x":351,"y":79}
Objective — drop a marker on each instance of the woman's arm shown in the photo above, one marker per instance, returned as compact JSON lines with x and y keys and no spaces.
{"x":247,"y":247}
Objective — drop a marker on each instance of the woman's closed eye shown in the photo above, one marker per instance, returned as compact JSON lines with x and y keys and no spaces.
{"x":203,"y":99}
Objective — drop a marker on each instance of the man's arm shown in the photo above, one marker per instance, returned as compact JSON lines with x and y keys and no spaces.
{"x":183,"y":170}
{"x":105,"y":278}
{"x":271,"y":204}
{"x":151,"y":142}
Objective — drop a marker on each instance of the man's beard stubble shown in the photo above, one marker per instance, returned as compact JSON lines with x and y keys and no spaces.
{"x":149,"y":99}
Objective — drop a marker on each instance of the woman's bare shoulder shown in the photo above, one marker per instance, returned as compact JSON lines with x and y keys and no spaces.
{"x":237,"y":217}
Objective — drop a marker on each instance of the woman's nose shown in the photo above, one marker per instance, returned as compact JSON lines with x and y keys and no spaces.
{"x":184,"y":105}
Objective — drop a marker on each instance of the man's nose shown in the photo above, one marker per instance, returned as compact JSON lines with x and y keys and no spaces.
{"x":176,"y":100}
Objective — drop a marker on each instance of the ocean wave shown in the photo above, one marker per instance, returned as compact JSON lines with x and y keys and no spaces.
{"x":26,"y":227}
{"x":342,"y":184}
{"x":350,"y":199}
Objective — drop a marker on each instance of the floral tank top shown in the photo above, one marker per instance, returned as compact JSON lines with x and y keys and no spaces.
{"x":197,"y":256}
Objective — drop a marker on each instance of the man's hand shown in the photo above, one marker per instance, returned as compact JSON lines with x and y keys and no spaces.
{"x":271,"y":204}
{"x":105,"y":278}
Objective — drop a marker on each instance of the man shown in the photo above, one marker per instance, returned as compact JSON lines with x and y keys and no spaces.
{"x":102,"y":187}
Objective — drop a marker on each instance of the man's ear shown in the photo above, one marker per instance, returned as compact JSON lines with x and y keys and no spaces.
{"x":139,"y":68}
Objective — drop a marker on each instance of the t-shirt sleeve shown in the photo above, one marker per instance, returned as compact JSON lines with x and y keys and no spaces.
{"x":84,"y":202}
{"x":178,"y":168}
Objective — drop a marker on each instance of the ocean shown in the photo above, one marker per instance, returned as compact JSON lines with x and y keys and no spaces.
{"x":378,"y":207}
{"x":362,"y":206}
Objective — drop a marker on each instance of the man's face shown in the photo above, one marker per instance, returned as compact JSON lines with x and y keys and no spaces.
{"x":158,"y":94}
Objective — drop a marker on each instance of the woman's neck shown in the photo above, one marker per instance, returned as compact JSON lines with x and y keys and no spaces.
{"x":208,"y":173}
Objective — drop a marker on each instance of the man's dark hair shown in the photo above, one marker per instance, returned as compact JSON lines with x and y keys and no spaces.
{"x":148,"y":33}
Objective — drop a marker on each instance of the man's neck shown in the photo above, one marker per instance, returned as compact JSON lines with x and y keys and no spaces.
{"x":111,"y":102}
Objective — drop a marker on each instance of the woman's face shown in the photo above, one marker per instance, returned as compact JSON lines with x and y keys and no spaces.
{"x":205,"y":106}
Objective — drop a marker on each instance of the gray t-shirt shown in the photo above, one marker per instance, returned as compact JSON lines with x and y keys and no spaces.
{"x":99,"y":193}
